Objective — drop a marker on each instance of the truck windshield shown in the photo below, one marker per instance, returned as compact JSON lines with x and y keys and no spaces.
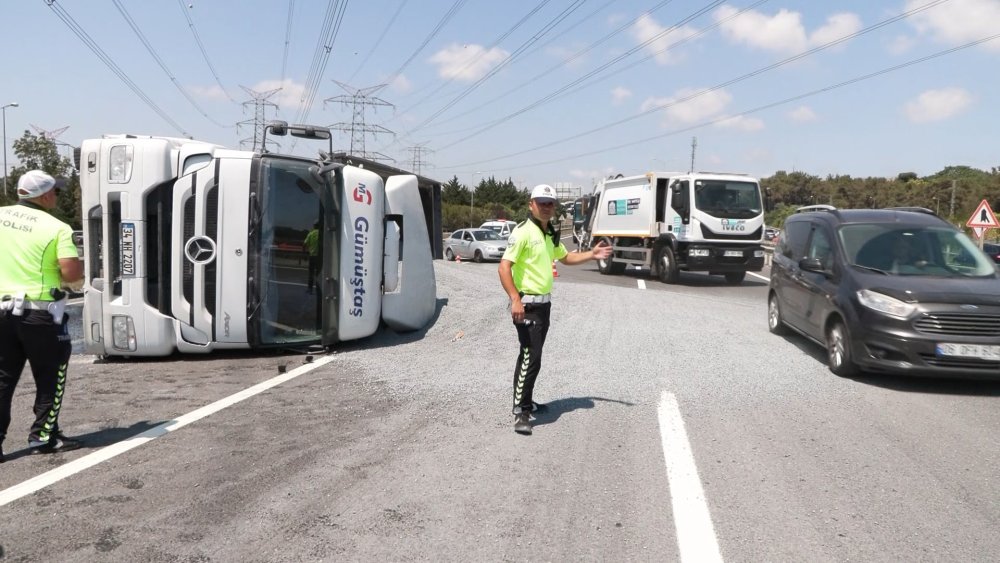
{"x":728,"y":200}
{"x":289,"y":253}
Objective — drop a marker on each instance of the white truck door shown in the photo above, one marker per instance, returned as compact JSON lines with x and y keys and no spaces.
{"x":414,"y":301}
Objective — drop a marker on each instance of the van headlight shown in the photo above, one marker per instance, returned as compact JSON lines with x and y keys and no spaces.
{"x":122,"y":333}
{"x":886,"y":305}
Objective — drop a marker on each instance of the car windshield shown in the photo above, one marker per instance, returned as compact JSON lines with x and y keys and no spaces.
{"x":728,"y":200}
{"x":486,"y":234}
{"x":894,"y":249}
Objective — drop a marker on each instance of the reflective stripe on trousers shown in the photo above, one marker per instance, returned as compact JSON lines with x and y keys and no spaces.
{"x":531,"y":337}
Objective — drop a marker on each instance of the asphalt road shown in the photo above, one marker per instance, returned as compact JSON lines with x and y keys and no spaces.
{"x":678,"y":429}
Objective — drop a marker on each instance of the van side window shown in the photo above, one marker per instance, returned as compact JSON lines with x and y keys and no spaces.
{"x":793,"y":243}
{"x":820,"y":248}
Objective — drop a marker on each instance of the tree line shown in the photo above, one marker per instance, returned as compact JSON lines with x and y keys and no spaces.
{"x":35,"y":152}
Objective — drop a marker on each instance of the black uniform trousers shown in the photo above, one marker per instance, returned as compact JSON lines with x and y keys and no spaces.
{"x":531,"y":337}
{"x":34,"y":338}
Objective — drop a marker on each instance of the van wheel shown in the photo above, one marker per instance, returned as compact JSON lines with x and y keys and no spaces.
{"x":478,"y":257}
{"x":666,"y":264}
{"x":449,"y":255}
{"x":735,"y":277}
{"x":775,"y":323}
{"x":838,"y":350}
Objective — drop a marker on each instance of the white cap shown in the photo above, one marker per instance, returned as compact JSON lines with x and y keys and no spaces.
{"x":543,"y":191}
{"x":36,"y":183}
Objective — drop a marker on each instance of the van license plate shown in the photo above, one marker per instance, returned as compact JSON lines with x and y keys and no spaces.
{"x":733,"y":253}
{"x":980,"y":351}
{"x":128,"y":249}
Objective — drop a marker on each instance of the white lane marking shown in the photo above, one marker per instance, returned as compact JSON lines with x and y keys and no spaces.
{"x":642,"y":284}
{"x":50,"y":477}
{"x":759,"y":276}
{"x":695,"y":534}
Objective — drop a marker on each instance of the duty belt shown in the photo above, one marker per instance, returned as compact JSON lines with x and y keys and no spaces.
{"x":546,"y":298}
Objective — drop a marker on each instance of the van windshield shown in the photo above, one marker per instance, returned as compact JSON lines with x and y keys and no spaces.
{"x":289,"y":251}
{"x":896,"y":249}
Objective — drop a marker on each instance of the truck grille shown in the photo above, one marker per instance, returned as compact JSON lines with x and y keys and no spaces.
{"x":708,"y":234}
{"x":955,"y":324}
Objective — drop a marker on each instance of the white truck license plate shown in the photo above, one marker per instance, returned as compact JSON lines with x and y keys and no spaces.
{"x":731,"y":253}
{"x":128,"y":249}
{"x":981,"y":351}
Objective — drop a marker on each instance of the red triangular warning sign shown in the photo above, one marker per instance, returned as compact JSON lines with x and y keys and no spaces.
{"x":983,"y":217}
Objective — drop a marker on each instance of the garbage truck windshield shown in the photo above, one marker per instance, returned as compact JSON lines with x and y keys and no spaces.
{"x":728,"y":200}
{"x":287,"y":221}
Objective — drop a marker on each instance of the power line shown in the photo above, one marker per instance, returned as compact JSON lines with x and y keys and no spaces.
{"x":359,"y":99}
{"x":159,"y":61}
{"x":260,"y":104}
{"x":288,"y":39}
{"x":204,"y":53}
{"x":660,"y":107}
{"x":321,"y":56}
{"x":757,"y":109}
{"x":378,"y":41}
{"x":437,"y":29}
{"x":62,"y":14}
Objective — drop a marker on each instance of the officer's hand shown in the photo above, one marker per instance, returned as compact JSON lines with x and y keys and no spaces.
{"x":517,"y":311}
{"x":601,"y":250}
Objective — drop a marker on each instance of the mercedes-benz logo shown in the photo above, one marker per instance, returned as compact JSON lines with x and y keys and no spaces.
{"x":200,"y":250}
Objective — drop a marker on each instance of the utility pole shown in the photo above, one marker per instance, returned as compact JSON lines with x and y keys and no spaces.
{"x":358,"y":99}
{"x":260,"y":104}
{"x":694,"y":145}
{"x":952,"y":212}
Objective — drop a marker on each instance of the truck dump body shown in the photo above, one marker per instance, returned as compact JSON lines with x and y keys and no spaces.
{"x":192,"y":247}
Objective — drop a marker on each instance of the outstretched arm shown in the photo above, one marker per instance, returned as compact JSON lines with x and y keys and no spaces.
{"x":600,"y":251}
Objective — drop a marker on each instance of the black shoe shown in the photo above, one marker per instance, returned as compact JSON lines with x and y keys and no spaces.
{"x":57,"y":443}
{"x":521,"y":424}
{"x":1,"y":455}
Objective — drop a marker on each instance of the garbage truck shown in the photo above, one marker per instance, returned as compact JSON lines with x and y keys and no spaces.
{"x":673,"y":222}
{"x":192,"y":247}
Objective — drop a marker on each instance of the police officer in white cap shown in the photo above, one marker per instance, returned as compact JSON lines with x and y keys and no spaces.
{"x":38,"y":260}
{"x":526,"y":276}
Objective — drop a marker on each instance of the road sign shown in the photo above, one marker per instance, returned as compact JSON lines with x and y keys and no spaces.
{"x":983,"y":217}
{"x":979,"y":232}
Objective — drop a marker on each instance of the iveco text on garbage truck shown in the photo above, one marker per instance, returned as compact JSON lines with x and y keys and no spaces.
{"x":668,"y":222}
{"x":193,"y":247}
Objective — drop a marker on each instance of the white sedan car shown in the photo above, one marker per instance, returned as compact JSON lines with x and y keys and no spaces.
{"x":474,"y":244}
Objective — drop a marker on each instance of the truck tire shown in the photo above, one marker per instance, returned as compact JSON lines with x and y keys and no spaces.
{"x":666,"y":265}
{"x":735,"y":277}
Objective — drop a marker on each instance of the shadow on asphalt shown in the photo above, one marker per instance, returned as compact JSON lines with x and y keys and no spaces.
{"x":909,"y":384}
{"x":96,"y":439}
{"x":554,"y":409}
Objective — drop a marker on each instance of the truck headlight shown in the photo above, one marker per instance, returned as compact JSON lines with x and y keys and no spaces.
{"x":122,"y":333}
{"x":698,"y":252}
{"x":884,"y":304}
{"x":120,"y":164}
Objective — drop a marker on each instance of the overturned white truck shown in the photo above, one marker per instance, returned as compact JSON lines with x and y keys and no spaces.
{"x":192,"y":247}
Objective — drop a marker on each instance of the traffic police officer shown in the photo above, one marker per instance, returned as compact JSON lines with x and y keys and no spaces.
{"x":526,"y":276}
{"x":38,"y":260}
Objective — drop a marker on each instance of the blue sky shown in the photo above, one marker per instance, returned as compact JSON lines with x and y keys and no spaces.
{"x":558,"y":91}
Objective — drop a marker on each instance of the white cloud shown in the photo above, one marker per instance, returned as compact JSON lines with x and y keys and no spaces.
{"x":646,"y":28}
{"x":401,"y":84}
{"x":742,"y":123}
{"x":699,"y":108}
{"x":802,"y":114}
{"x":288,"y":96}
{"x":467,"y":62}
{"x":937,"y":105}
{"x":784,"y":31}
{"x":619,"y":95}
{"x":901,"y":44}
{"x":213,"y":93}
{"x":958,"y":21}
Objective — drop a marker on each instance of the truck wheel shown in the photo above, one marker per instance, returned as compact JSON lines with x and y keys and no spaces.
{"x":666,"y":265}
{"x":478,"y":257}
{"x":608,"y":265}
{"x":449,"y":255}
{"x":735,"y":277}
{"x":838,"y":350}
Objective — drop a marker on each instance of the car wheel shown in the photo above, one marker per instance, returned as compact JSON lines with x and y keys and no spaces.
{"x":478,"y":257}
{"x":449,"y":255}
{"x":735,"y":277}
{"x":838,"y":350}
{"x":666,"y":264}
{"x":775,"y":323}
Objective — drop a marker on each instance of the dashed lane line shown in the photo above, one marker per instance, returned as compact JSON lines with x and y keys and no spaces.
{"x":54,"y":476}
{"x":695,"y":534}
{"x":758,"y":276}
